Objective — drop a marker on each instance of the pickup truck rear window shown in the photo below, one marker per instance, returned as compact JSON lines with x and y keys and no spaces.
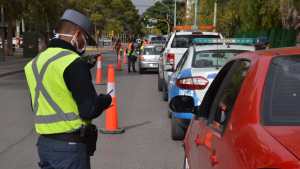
{"x":184,"y":41}
{"x":281,"y":101}
{"x":158,"y":40}
{"x":152,"y":51}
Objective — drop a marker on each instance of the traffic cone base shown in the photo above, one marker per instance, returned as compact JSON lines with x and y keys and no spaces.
{"x":115,"y":131}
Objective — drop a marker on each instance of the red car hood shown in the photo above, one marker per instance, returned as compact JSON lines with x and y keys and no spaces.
{"x":288,"y":136}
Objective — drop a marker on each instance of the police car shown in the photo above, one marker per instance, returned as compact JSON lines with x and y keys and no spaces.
{"x":196,"y":70}
{"x":175,"y":47}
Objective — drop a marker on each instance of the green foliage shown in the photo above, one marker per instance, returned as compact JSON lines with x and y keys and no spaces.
{"x":235,"y":16}
{"x":165,"y":11}
{"x":42,"y":15}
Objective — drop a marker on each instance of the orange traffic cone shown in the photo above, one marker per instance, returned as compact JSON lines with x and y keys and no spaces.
{"x":99,"y":70}
{"x":124,"y":57}
{"x":111,"y":114}
{"x":119,"y":64}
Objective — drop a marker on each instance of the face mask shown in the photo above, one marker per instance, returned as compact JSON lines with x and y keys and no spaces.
{"x":74,"y":42}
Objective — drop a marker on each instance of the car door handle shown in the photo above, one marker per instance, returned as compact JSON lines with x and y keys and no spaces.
{"x":198,"y":141}
{"x":213,"y":158}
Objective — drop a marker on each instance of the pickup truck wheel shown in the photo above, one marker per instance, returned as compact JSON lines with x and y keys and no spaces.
{"x":165,"y":93}
{"x":142,"y":71}
{"x":177,"y":131}
{"x":169,"y":114}
{"x":159,"y":83}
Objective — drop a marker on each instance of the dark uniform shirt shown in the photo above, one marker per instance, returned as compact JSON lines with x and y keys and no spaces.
{"x":78,"y":79}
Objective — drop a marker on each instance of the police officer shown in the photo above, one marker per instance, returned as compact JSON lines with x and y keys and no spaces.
{"x":132,"y":56}
{"x":63,"y":97}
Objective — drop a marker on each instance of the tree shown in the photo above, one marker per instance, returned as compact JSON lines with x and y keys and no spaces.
{"x":164,"y":11}
{"x":42,"y":16}
{"x":13,"y":10}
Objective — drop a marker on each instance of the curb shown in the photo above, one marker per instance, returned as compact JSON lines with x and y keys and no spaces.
{"x":11,"y":73}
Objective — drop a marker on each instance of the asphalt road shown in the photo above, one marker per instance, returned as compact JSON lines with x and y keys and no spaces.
{"x":146,"y":144}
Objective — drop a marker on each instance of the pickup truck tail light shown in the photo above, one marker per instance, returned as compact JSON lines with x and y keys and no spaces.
{"x":192,"y":83}
{"x":171,"y":58}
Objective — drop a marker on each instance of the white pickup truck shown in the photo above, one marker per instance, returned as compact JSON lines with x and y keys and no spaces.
{"x":175,"y":47}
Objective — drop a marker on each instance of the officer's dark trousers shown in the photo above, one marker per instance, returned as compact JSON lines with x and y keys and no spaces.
{"x":55,"y":154}
{"x":131,"y":63}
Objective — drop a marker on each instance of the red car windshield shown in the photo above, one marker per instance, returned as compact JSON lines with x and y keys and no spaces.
{"x":281,"y":102}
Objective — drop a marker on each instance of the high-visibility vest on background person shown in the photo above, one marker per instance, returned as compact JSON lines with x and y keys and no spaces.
{"x":54,"y":108}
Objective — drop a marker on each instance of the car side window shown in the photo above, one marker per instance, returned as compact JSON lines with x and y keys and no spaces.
{"x":211,"y":93}
{"x":226,"y":95}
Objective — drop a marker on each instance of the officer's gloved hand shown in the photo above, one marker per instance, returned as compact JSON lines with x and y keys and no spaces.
{"x":104,"y":100}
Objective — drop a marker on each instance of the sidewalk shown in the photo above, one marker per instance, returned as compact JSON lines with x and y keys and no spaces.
{"x":12,"y":65}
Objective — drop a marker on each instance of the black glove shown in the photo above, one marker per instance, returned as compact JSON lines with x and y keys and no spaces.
{"x":104,"y":100}
{"x":91,"y":60}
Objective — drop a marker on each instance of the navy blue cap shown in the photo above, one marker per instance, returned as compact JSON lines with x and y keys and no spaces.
{"x":78,"y":19}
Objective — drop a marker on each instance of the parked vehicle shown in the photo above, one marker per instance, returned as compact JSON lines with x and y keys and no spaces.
{"x":249,"y":117}
{"x":149,"y":58}
{"x":194,"y":74}
{"x":158,"y":40}
{"x":105,"y":41}
{"x":175,"y":47}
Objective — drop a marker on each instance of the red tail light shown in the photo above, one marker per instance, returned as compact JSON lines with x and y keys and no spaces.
{"x":171,"y":58}
{"x":192,"y":83}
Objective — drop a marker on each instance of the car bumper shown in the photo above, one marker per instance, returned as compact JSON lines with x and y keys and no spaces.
{"x":179,"y":92}
{"x":149,"y":65}
{"x":182,"y":115}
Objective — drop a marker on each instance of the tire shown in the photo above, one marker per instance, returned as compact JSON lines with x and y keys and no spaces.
{"x":165,"y":93}
{"x":169,"y":114}
{"x":177,"y":131}
{"x":159,"y":83}
{"x":141,"y":71}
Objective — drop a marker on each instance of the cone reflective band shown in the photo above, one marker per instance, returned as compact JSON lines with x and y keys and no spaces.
{"x":111,"y":114}
{"x":124,"y":56}
{"x":99,"y":70}
{"x":119,"y":64}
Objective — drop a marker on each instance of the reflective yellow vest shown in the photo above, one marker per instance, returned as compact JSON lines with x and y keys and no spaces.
{"x":54,"y":108}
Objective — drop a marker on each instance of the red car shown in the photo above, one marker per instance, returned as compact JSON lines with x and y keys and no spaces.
{"x":250,"y":116}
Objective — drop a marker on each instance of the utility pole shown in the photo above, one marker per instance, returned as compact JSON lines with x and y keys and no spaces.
{"x":215,"y":15}
{"x":196,"y":14}
{"x":23,"y":25}
{"x":18,"y":32}
{"x":175,"y":13}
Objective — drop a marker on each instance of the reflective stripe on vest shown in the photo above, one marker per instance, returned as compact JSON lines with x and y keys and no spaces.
{"x":60,"y":115}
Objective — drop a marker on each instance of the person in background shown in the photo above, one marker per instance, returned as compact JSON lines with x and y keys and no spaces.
{"x":132,"y":57}
{"x":117,"y":47}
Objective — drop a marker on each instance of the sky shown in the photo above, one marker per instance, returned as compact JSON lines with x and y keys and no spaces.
{"x":142,"y":5}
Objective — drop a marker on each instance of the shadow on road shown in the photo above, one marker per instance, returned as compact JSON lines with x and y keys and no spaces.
{"x":137,"y":125}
